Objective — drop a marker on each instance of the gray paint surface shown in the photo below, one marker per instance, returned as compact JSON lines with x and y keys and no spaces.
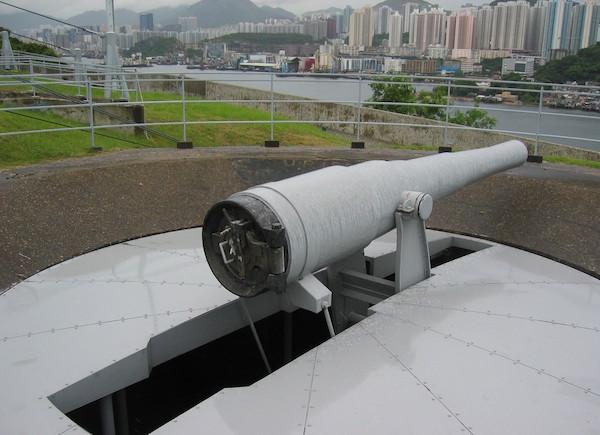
{"x":500,"y":340}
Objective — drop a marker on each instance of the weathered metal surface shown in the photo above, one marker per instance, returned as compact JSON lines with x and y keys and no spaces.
{"x":499,"y":341}
{"x":334,"y":212}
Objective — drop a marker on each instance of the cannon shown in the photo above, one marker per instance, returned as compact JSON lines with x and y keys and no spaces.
{"x":270,"y":237}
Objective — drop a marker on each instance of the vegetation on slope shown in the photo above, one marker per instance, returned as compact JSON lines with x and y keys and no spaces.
{"x":581,"y":67}
{"x":30,"y":47}
{"x":153,"y":47}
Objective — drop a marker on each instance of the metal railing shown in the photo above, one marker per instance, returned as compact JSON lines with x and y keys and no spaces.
{"x":71,"y":76}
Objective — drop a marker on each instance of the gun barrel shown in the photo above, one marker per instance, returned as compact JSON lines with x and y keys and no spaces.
{"x":276,"y":233}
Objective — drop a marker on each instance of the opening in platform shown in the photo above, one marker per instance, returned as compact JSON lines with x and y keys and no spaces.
{"x":230,"y":361}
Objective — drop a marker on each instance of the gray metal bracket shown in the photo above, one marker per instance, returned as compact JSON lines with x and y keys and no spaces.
{"x":412,"y":263}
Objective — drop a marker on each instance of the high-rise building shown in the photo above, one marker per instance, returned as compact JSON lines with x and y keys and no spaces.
{"x":347,"y":14}
{"x":591,"y":23}
{"x":316,"y":28}
{"x":396,"y":29}
{"x":383,"y":17}
{"x":570,"y":27}
{"x":188,"y":24}
{"x":331,"y":28}
{"x":556,"y":36}
{"x":537,"y":19}
{"x":146,"y":22}
{"x":460,"y":29}
{"x":408,"y":9}
{"x":483,"y":27}
{"x":362,"y":28}
{"x":509,"y":25}
{"x":575,"y":27}
{"x":427,"y":28}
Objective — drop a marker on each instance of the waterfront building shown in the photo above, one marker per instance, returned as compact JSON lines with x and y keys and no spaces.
{"x":437,"y":52}
{"x":361,"y":64}
{"x":420,"y":66}
{"x":524,"y":65}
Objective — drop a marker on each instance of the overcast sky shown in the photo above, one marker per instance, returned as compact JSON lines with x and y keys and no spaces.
{"x":67,"y":8}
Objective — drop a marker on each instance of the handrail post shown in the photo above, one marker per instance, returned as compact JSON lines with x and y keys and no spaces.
{"x":32,"y":78}
{"x":539,"y":121}
{"x":272,"y":143}
{"x":90,"y":99}
{"x":184,"y":143}
{"x":183,"y":118}
{"x":359,"y":107}
{"x":447,"y":115}
{"x":272,"y":108}
{"x":358,"y":143}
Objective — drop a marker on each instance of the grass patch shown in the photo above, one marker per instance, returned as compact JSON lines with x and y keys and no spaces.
{"x":39,"y":147}
{"x":571,"y":161}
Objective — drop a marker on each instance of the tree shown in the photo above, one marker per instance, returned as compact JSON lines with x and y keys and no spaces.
{"x":394,"y":90}
{"x":473,"y":118}
{"x":399,"y":90}
{"x":379,"y":38}
{"x":437,"y":97}
{"x":491,"y":66}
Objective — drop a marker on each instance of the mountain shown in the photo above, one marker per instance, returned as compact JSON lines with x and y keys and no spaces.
{"x":167,"y":14}
{"x":280,"y":13}
{"x":398,"y":5}
{"x":95,"y":18}
{"x":329,"y":11}
{"x":210,"y":13}
{"x":215,"y":13}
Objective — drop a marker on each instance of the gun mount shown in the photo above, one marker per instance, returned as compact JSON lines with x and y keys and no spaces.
{"x":270,"y":237}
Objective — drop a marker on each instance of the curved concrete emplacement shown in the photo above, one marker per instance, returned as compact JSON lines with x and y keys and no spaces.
{"x":56,"y":211}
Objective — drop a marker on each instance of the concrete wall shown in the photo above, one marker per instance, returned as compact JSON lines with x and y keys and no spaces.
{"x":126,"y":114}
{"x":55,"y":211}
{"x":401,"y":135}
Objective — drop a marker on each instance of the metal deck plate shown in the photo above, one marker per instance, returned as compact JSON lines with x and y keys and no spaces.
{"x":498,"y":341}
